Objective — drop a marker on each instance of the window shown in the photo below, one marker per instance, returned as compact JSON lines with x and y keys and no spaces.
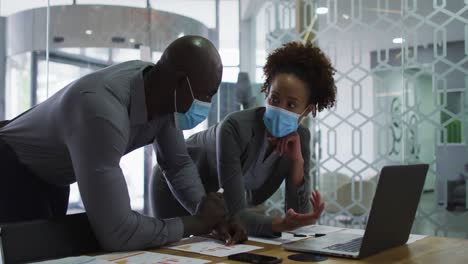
{"x":229,"y":39}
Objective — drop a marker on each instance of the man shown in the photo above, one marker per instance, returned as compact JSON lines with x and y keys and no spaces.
{"x":81,"y":133}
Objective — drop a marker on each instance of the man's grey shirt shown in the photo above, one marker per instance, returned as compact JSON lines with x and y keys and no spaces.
{"x":81,"y":133}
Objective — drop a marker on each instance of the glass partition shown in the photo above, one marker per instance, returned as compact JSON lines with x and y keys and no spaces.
{"x":47,"y":47}
{"x":402,"y":85}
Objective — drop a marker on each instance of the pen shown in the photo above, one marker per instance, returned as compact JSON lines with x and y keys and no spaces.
{"x":305,"y":235}
{"x":296,"y":234}
{"x":299,"y":235}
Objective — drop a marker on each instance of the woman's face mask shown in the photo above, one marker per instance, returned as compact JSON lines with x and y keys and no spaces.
{"x":281,"y":122}
{"x":287,"y":103}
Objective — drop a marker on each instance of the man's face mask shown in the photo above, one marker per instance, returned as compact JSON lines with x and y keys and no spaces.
{"x":197,"y":112}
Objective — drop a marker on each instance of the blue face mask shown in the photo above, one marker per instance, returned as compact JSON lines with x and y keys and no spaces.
{"x":280,"y":122}
{"x":197,"y":112}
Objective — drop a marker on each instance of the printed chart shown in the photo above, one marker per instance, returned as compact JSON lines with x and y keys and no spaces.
{"x":149,"y":258}
{"x":210,"y":247}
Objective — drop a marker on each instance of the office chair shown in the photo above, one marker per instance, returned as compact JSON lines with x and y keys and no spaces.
{"x":38,"y":240}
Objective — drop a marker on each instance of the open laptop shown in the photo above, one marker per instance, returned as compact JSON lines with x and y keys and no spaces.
{"x":390,"y":219}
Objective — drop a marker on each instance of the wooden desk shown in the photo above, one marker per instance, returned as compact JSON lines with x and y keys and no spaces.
{"x":437,"y":250}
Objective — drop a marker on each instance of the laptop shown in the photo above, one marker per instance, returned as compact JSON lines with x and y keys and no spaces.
{"x":390,"y":219}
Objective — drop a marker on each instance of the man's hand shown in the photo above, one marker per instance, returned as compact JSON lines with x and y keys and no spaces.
{"x":209,"y":213}
{"x":211,"y":209}
{"x":295,"y":220}
{"x":231,"y":231}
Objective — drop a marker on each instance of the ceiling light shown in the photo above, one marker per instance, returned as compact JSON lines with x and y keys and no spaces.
{"x":398,"y":40}
{"x":131,"y":40}
{"x":321,"y":10}
{"x":89,"y":32}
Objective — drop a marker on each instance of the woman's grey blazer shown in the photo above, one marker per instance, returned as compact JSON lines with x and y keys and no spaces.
{"x":223,"y":153}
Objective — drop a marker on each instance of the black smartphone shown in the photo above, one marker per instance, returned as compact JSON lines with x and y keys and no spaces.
{"x":255,"y":258}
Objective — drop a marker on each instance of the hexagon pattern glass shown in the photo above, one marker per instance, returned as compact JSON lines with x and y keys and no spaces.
{"x":402,"y":81}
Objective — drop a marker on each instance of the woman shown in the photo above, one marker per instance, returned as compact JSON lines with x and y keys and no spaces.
{"x":251,"y":152}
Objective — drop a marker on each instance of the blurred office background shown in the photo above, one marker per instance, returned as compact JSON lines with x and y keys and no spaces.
{"x":402,"y":80}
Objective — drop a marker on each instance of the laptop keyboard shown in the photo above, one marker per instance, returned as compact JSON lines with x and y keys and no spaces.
{"x":350,"y":246}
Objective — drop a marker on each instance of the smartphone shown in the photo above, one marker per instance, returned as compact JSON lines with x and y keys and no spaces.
{"x":255,"y":258}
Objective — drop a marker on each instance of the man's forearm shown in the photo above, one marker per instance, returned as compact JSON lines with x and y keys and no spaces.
{"x":188,"y":190}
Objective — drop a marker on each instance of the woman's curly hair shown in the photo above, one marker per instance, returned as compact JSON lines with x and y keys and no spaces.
{"x":308,"y":63}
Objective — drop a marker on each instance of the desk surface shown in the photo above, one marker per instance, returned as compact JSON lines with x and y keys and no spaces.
{"x":425,"y":251}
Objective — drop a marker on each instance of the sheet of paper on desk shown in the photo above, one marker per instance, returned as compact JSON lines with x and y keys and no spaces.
{"x":210,"y":247}
{"x":285,"y":238}
{"x":141,"y":257}
{"x":119,"y":255}
{"x":317,"y":229}
{"x":75,"y":260}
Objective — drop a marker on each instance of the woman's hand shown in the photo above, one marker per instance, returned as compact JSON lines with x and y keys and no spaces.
{"x":289,"y":146}
{"x":295,"y":220}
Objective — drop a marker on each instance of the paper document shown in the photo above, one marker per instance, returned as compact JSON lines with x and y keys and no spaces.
{"x":75,"y":260}
{"x":317,"y":229}
{"x":285,"y":238}
{"x":140,"y":257}
{"x":210,"y":247}
{"x":136,"y":257}
{"x":413,"y":238}
{"x":119,"y":255}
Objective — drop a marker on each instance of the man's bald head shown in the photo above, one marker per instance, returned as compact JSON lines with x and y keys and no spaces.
{"x":198,"y":58}
{"x":190,"y":62}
